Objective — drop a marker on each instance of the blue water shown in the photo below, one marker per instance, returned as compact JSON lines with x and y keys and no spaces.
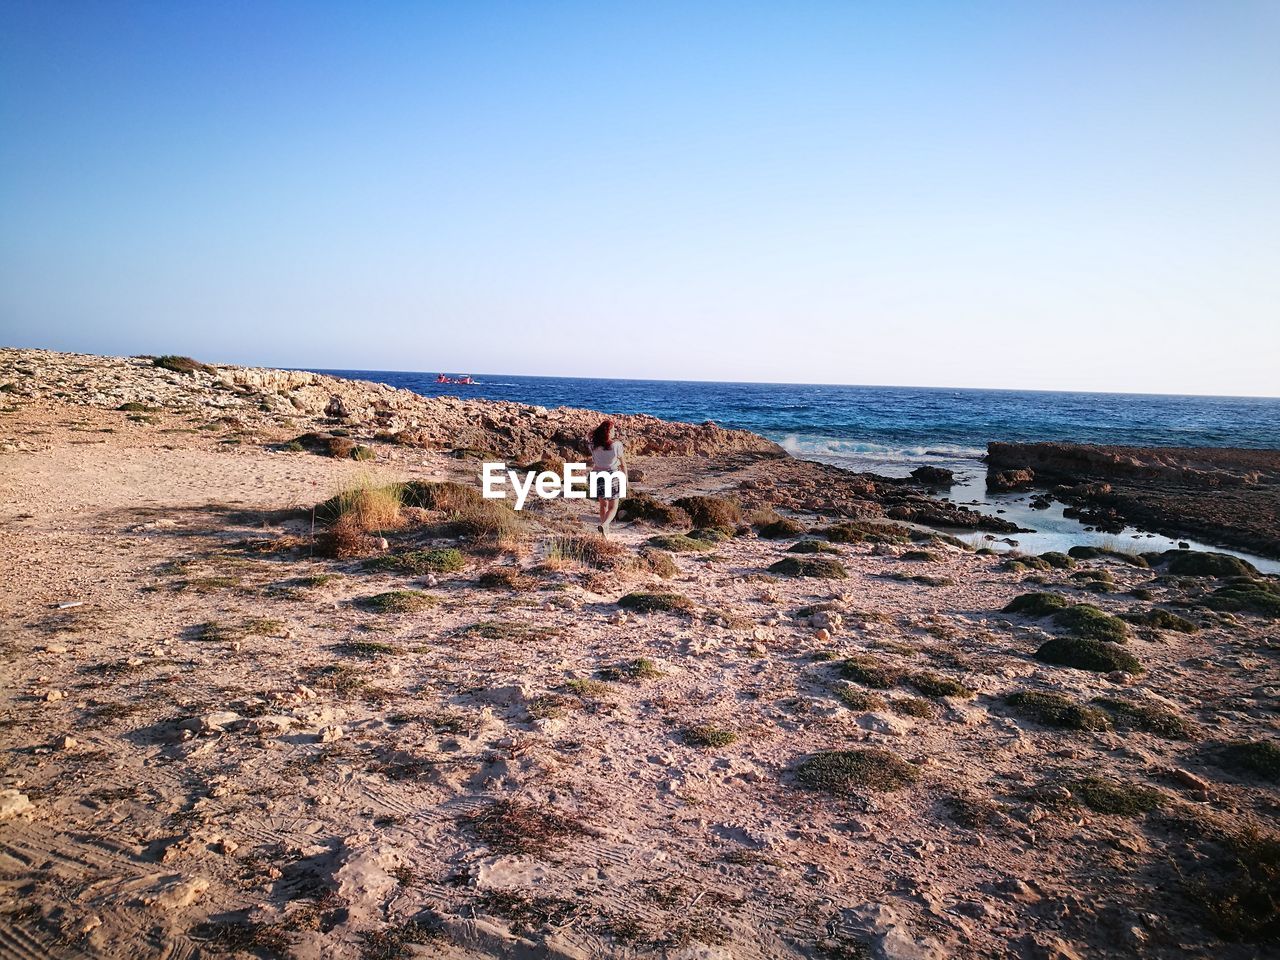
{"x":891,"y":430}
{"x":890,"y":423}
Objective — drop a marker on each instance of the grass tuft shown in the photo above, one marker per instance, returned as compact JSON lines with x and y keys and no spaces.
{"x":1058,"y":710}
{"x":844,"y":771}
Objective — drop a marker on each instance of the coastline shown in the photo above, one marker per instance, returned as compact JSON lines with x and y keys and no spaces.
{"x":756,"y":723}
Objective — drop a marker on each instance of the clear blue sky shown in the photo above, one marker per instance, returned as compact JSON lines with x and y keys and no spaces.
{"x":1070,"y":195}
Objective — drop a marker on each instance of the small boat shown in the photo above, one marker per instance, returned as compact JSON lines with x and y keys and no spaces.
{"x":465,"y":380}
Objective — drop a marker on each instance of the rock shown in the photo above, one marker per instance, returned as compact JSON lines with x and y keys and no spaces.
{"x":1015,"y":889}
{"x":822,"y":636}
{"x":329,"y":734}
{"x":337,"y":408}
{"x":53,"y":696}
{"x":181,"y":893}
{"x":216,"y":722}
{"x":827,"y":620}
{"x":1002,"y":480}
{"x":934,"y":476}
{"x":1188,"y":779}
{"x":66,"y":743}
{"x":271,"y":725}
{"x":883,"y":723}
{"x":13,"y":803}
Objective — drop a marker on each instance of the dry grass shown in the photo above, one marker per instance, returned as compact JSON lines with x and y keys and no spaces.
{"x":585,"y":551}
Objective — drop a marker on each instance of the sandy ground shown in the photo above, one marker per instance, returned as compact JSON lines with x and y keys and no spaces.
{"x":221,"y":751}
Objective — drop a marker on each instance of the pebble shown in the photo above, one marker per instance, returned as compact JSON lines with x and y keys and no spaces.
{"x":13,"y":803}
{"x":53,"y":696}
{"x":66,"y":743}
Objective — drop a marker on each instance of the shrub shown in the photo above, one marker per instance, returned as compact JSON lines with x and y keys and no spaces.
{"x":680,"y":543}
{"x":420,"y":562}
{"x":1084,"y":654}
{"x":364,"y":453}
{"x":1083,"y":552}
{"x":1196,"y":563}
{"x":925,"y":556}
{"x":712,"y":535}
{"x":649,"y":509}
{"x":400,"y":601}
{"x":1057,"y":710}
{"x":709,"y":735}
{"x":1114,"y":797}
{"x":442,"y":495}
{"x":936,"y":685}
{"x":812,"y":546}
{"x":870,"y":672}
{"x":916,"y":707}
{"x":640,"y":669}
{"x":783,"y":528}
{"x":1090,"y":623}
{"x":826,"y":568}
{"x":1016,"y":564}
{"x":339,"y":447}
{"x":1058,"y":561}
{"x":180,"y":364}
{"x":1160,"y":619}
{"x":370,"y":507}
{"x":1258,"y":757}
{"x":1037,"y":604}
{"x":588,"y":551}
{"x":656,"y":603}
{"x":711,"y":511}
{"x":858,"y":699}
{"x":1247,"y":596}
{"x":505,"y":578}
{"x":842,"y":771}
{"x":1147,"y":718}
{"x":853,"y":531}
{"x":656,"y":562}
{"x":1241,"y":903}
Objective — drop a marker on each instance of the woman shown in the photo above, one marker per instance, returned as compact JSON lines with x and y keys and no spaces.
{"x":606,"y":454}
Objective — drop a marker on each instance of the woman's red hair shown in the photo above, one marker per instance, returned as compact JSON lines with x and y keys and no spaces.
{"x":602,"y":436}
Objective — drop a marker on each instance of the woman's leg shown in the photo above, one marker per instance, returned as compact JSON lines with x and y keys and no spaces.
{"x":613,"y":509}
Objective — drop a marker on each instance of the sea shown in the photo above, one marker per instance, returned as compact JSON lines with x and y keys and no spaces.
{"x":892,"y":430}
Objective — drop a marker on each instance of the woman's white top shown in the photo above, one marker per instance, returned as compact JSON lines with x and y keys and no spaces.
{"x":607,"y":458}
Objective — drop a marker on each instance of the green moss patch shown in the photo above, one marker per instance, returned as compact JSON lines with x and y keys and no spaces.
{"x":853,"y":531}
{"x":1037,"y":604}
{"x":1159,"y":619}
{"x":1197,"y":563}
{"x":856,"y":698}
{"x":845,"y":771}
{"x":1057,"y":710}
{"x":420,"y":562}
{"x":399,"y":601}
{"x":1115,"y":797}
{"x":1247,"y":596}
{"x":680,"y":543}
{"x":870,"y":672}
{"x":649,"y":509}
{"x":916,"y":707}
{"x":709,"y":735}
{"x":657,"y":603}
{"x":783,"y":528}
{"x":1090,"y":623}
{"x":1148,"y":718}
{"x":1084,"y":654}
{"x":1058,"y":561}
{"x":825,"y":568}
{"x":812,"y":546}
{"x":635,"y":671}
{"x":936,"y":685}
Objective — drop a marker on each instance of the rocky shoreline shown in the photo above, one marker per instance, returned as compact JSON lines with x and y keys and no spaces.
{"x":1222,"y":495}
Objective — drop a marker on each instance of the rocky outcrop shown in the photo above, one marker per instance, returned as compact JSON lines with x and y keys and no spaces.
{"x":264,"y":397}
{"x":934,"y":476}
{"x":1223,"y":495}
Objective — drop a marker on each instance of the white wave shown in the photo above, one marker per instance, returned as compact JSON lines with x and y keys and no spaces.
{"x":808,"y":445}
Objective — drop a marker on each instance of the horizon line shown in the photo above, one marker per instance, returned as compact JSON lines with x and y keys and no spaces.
{"x":797,"y":383}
